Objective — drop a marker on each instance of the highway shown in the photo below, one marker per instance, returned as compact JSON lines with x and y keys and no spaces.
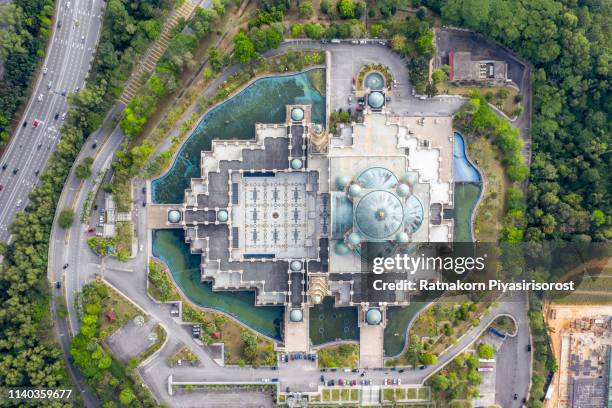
{"x":68,"y":58}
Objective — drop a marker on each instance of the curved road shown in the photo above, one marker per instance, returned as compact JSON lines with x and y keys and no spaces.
{"x":71,"y":49}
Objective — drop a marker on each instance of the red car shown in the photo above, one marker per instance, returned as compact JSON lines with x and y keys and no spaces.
{"x":91,"y":229}
{"x":35,"y":123}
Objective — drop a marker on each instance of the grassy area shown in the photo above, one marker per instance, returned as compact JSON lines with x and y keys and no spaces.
{"x":504,"y":324}
{"x":242,"y":346}
{"x":123,"y":310}
{"x":125,"y":235}
{"x":161,"y":286}
{"x":406,"y":394}
{"x":183,"y":354}
{"x":502,"y":97}
{"x":161,"y":338}
{"x":342,"y":356}
{"x":489,"y":214}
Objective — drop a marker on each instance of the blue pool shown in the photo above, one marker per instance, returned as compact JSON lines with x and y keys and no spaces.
{"x":464,"y":171}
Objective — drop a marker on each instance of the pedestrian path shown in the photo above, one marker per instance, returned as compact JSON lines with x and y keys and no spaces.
{"x":156,"y":50}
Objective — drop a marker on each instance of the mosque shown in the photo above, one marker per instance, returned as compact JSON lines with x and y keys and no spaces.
{"x":296,"y":213}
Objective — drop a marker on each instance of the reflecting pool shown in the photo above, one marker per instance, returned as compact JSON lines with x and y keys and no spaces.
{"x":169,"y":246}
{"x":263,"y":101}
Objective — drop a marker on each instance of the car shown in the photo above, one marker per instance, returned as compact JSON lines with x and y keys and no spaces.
{"x":385,"y":382}
{"x":15,"y":170}
{"x":68,"y":5}
{"x":363,"y":42}
{"x":65,"y":266}
{"x":1,"y":187}
{"x":515,"y":397}
{"x":18,"y":204}
{"x":64,"y":92}
{"x":399,"y":381}
{"x":40,"y":98}
{"x":91,"y":229}
{"x":39,"y":146}
{"x":56,"y":116}
{"x":144,"y":190}
{"x":341,"y":382}
{"x":25,"y":123}
{"x":141,"y":248}
{"x":529,"y":348}
{"x":83,"y":38}
{"x":93,"y":146}
{"x":63,"y":115}
{"x":59,"y":23}
{"x":265,"y":380}
{"x":394,"y":381}
{"x":58,"y":285}
{"x":421,"y":367}
{"x":323,"y":379}
{"x":50,"y":84}
{"x":45,"y":70}
{"x":354,"y":42}
{"x":36,"y":172}
{"x":354,"y":382}
{"x":35,"y":123}
{"x":364,"y":382}
{"x":4,"y":166}
{"x":144,"y":203}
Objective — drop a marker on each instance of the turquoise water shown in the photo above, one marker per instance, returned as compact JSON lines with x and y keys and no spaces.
{"x":263,"y":101}
{"x":463,"y":170}
{"x":170,"y":247}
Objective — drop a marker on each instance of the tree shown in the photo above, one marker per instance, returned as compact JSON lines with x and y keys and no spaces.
{"x":486,"y":351}
{"x":326,"y":6}
{"x":398,"y":42}
{"x":83,"y":170}
{"x":66,"y":218}
{"x":440,"y":382}
{"x":421,"y":13}
{"x":306,"y":9}
{"x":313,"y":30}
{"x":296,"y":30}
{"x":346,"y":8}
{"x":126,"y":396}
{"x":428,"y":359}
{"x":244,"y":49}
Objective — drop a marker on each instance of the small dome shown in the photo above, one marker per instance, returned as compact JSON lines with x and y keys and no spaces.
{"x":410,"y":178}
{"x":341,"y":248}
{"x":297,"y":114}
{"x":403,"y":190}
{"x":376,"y":99}
{"x":354,"y":238}
{"x":222,"y":216}
{"x":174,"y":216}
{"x":355,"y":190}
{"x":374,"y":81}
{"x":317,"y":299}
{"x":402,"y":237}
{"x":318,"y":128}
{"x":296,"y":315}
{"x":296,"y":164}
{"x":342,"y":182}
{"x":373,"y":317}
{"x":296,"y":266}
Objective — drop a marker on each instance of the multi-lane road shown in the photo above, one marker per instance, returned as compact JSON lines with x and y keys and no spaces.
{"x":73,"y":43}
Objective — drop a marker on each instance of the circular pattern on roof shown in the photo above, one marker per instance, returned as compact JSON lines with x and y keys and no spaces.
{"x":174,"y":216}
{"x":341,"y":248}
{"x":413,"y":213}
{"x":374,"y":81}
{"x":296,"y":164}
{"x":355,"y":190}
{"x":403,"y":190}
{"x":222,"y":216}
{"x":376,"y":99}
{"x":379,"y":214}
{"x":342,"y":182}
{"x":354,"y":238}
{"x":297,"y":114}
{"x":296,"y":315}
{"x":296,"y":266}
{"x":402,"y":237}
{"x":373,"y":316}
{"x":318,"y":128}
{"x":377,"y":178}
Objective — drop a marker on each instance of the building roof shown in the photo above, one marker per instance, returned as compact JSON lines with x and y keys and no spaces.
{"x":376,"y":99}
{"x":379,"y":214}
